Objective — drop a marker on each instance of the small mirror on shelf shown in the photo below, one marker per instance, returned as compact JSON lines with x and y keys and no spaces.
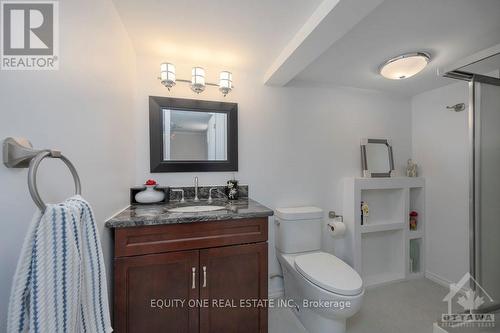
{"x":377,"y":158}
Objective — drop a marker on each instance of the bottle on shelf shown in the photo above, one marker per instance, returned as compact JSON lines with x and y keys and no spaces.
{"x":365,"y":212}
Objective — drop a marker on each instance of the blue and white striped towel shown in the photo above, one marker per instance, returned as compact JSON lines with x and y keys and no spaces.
{"x":60,"y":280}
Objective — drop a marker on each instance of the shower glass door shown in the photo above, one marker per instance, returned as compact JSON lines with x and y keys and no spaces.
{"x":485,"y":187}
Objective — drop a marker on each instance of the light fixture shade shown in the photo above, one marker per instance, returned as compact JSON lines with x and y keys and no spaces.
{"x":225,"y":82}
{"x":167,"y":75}
{"x":404,"y":66}
{"x":197,"y":79}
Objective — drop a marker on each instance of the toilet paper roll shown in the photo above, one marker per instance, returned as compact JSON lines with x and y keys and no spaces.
{"x":336,"y":229}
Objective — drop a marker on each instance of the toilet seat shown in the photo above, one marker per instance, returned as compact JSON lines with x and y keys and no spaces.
{"x":329,"y":272}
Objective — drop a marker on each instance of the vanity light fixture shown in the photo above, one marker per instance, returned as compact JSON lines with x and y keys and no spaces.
{"x":225,"y":82}
{"x":197,"y":82}
{"x":405,"y":65}
{"x":197,"y":79}
{"x":167,"y":75}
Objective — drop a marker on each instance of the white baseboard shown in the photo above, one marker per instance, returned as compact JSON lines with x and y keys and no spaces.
{"x":438,"y":279}
{"x":273,"y":294}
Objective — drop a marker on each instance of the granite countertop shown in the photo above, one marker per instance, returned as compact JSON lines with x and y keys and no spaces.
{"x":156,"y":214}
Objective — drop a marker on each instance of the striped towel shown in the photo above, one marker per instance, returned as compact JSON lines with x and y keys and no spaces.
{"x":60,"y":280}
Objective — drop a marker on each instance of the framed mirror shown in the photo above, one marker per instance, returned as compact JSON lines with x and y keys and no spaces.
{"x":377,"y":159}
{"x":188,"y":135}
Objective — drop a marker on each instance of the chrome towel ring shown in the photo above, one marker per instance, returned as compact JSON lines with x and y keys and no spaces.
{"x":19,"y":153}
{"x":33,"y":169}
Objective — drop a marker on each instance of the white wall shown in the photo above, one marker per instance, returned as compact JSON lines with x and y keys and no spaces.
{"x":295,"y":144}
{"x":440,"y":149}
{"x":84,"y":109}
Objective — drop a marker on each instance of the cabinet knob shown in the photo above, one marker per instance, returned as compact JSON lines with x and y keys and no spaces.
{"x":194,"y":278}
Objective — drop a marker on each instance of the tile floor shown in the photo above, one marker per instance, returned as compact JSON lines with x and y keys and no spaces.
{"x":404,"y":307}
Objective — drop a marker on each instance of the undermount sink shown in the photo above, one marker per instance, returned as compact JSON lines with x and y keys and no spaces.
{"x":195,"y":209}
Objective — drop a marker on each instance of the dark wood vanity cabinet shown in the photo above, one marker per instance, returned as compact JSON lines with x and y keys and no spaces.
{"x":218,"y":268}
{"x":141,"y":280}
{"x":236,"y":273}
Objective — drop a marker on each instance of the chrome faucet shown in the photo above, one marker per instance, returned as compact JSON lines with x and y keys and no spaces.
{"x":196,"y":199}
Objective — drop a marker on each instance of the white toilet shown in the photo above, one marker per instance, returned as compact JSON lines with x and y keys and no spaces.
{"x":325,"y":290}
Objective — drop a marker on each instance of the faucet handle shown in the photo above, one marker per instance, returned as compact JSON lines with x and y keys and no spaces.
{"x":210,"y":194}
{"x":179,"y":190}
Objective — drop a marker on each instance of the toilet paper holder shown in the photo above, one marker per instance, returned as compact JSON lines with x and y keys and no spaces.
{"x":337,"y":227}
{"x":333,"y":215}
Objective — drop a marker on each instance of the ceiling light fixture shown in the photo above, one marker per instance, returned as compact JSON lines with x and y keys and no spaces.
{"x":197,"y":82}
{"x":404,"y":66}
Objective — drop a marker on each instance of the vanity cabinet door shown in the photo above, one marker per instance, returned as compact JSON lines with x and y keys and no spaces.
{"x":229,"y":275}
{"x":143,"y":280}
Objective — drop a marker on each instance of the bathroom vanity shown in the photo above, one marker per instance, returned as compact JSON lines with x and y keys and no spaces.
{"x":189,"y":272}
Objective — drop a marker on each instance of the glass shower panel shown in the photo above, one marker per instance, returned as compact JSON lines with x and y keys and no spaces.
{"x":487,"y":137}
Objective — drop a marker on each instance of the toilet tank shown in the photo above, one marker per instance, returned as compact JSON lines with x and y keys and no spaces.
{"x":298,"y":229}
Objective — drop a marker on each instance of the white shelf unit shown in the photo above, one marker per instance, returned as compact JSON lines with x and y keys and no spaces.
{"x":384,"y":249}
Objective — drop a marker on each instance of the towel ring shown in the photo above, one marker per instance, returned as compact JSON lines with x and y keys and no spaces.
{"x":33,"y":169}
{"x":19,"y":153}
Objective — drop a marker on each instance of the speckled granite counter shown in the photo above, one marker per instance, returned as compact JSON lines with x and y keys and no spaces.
{"x":139,"y":215}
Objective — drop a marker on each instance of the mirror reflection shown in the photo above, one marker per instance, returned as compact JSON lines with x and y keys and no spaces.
{"x":194,"y":136}
{"x":377,"y":157}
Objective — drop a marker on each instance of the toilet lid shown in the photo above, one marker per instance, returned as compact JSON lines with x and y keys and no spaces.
{"x":330,"y":273}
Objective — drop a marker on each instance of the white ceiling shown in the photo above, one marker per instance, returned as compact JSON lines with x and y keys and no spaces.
{"x":448,"y":29}
{"x":251,"y":34}
{"x":239,"y":34}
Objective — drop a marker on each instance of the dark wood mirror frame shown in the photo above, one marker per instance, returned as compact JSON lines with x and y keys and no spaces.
{"x":158,"y":164}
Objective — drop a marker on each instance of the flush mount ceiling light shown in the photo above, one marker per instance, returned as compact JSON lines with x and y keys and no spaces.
{"x":197,"y":82}
{"x":404,"y":66}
